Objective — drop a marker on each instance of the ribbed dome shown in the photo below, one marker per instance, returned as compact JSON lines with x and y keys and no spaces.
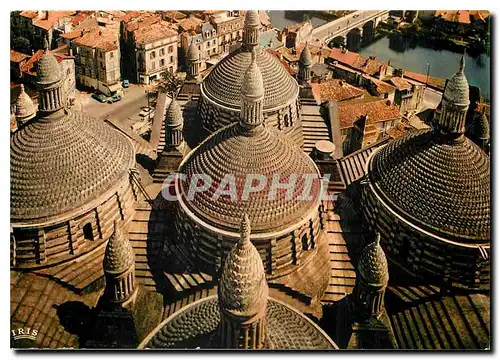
{"x":436,"y":182}
{"x":372,"y":264}
{"x":243,"y":288}
{"x":457,"y":88}
{"x":237,"y":150}
{"x":305,"y":56}
{"x":25,"y":109}
{"x":119,"y":255}
{"x":174,"y":117}
{"x":60,"y":163}
{"x":252,"y":18}
{"x":223,"y":84}
{"x":48,"y":70}
{"x":192,"y":53}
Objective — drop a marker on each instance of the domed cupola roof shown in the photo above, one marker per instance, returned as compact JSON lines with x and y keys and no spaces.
{"x":242,"y":287}
{"x":457,"y":88}
{"x":252,"y":18}
{"x":119,"y":255}
{"x":174,"y":117}
{"x":372,"y":264}
{"x":223,"y":84}
{"x":60,"y":164}
{"x":192,"y":53}
{"x":305,"y":56}
{"x":437,"y":183}
{"x":438,"y":180}
{"x":25,"y":108}
{"x":248,"y":148}
{"x":62,"y":161}
{"x":48,"y":70}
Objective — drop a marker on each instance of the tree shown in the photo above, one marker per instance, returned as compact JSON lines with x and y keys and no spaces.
{"x":169,"y":83}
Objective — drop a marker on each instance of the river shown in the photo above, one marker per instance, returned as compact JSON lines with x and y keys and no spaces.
{"x":443,"y":63}
{"x":281,"y":18}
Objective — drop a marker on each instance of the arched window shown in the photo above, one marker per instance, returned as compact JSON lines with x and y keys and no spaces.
{"x":88,"y":234}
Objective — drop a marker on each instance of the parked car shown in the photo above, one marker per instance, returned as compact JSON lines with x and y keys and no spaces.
{"x":125,"y":84}
{"x":146,"y":111}
{"x":114,"y":98}
{"x":100,"y":97}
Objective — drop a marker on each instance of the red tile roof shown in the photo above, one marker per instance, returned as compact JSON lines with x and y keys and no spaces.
{"x":460,"y":16}
{"x":50,"y":19}
{"x":190,"y":23}
{"x":400,"y":83}
{"x":479,"y":14}
{"x":130,"y":15}
{"x":30,"y":14}
{"x":100,"y":38}
{"x":377,"y":109}
{"x":16,"y":56}
{"x":344,"y":57}
{"x":29,"y":67}
{"x":155,"y":31}
{"x":382,"y":87}
{"x":335,"y":90}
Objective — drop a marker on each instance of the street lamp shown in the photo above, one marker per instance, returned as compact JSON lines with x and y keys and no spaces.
{"x":427,"y":79}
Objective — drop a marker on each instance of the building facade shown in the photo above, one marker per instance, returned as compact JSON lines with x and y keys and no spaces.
{"x":97,"y":55}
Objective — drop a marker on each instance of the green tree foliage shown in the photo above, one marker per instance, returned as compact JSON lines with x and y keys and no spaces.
{"x":169,"y":83}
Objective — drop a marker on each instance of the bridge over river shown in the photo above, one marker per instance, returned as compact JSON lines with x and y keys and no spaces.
{"x":349,"y":30}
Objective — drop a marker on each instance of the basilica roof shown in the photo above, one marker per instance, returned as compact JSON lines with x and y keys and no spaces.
{"x":439,"y":183}
{"x":63,"y":161}
{"x":223,"y":83}
{"x":196,"y":324}
{"x":238,"y":151}
{"x":48,"y":68}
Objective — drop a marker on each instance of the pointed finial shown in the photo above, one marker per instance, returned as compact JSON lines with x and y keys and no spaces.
{"x":245,"y":230}
{"x":46,"y":44}
{"x":22,"y":87}
{"x":377,"y":239}
{"x":462,"y":63}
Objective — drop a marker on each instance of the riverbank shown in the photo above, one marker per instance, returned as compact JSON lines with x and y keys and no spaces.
{"x":418,"y":34}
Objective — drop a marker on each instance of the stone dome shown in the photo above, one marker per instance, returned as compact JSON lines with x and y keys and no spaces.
{"x":25,"y":108}
{"x":252,"y":18}
{"x":242,"y":287}
{"x":119,"y":255}
{"x":240,"y":151}
{"x":372,"y":264}
{"x":174,"y":117}
{"x":64,"y":161}
{"x":457,"y":88}
{"x":48,"y":70}
{"x":305,"y":56}
{"x":437,"y":182}
{"x":192,"y":53}
{"x":223,"y":84}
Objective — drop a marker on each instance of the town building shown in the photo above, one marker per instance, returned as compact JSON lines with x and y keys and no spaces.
{"x":297,"y":34}
{"x":335,"y":90}
{"x":152,"y":43}
{"x":39,"y":25}
{"x":97,"y":59}
{"x":66,"y":62}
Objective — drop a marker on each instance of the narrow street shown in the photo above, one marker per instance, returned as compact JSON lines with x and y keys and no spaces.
{"x":125,"y":111}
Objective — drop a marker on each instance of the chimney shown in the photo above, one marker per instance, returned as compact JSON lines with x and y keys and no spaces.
{"x":46,"y":14}
{"x":70,"y":51}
